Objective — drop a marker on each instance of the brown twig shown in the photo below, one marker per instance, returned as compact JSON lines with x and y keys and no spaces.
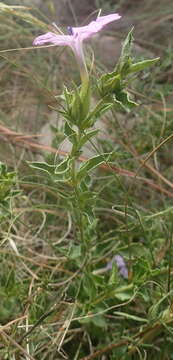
{"x":6,"y":326}
{"x":104,"y":350}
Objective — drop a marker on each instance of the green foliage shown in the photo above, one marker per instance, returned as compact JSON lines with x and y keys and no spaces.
{"x":91,"y":164}
{"x":112,"y":86}
{"x":101,"y":108}
{"x":125,"y":60}
{"x":7,"y":182}
{"x":142,"y":65}
{"x":7,"y":179}
{"x":77,"y":104}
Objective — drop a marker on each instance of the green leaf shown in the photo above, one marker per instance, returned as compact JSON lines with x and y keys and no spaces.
{"x":88,"y":135}
{"x":64,"y":114}
{"x":127,"y":46}
{"x":90,"y":286}
{"x":7,"y":180}
{"x":154,"y":311}
{"x":124,"y":293}
{"x":57,"y":172}
{"x":68,"y":97}
{"x":131,"y":317}
{"x":70,"y":133}
{"x":80,"y":104}
{"x":75,"y":252}
{"x":63,"y":167}
{"x":76,"y":105}
{"x":99,"y":281}
{"x":122,"y":101}
{"x":141,"y":65}
{"x":124,"y":63}
{"x":141,"y":269}
{"x":109,"y":83}
{"x":97,"y":320}
{"x":90,"y":214}
{"x":92,"y":164}
{"x":87,"y":202}
{"x":85,"y":183}
{"x":97,"y":112}
{"x":114,"y":275}
{"x":43,"y":166}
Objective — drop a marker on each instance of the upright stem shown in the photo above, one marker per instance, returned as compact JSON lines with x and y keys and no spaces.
{"x":78,"y":213}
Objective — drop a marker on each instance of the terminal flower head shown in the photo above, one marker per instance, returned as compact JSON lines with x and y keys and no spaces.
{"x":121,"y":265}
{"x":75,"y":38}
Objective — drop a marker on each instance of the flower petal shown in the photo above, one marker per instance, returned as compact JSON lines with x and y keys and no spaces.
{"x":53,"y":39}
{"x":82,"y":32}
{"x":104,"y":20}
{"x":75,"y":39}
{"x":94,"y":26}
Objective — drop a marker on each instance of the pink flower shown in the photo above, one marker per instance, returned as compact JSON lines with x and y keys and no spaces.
{"x":76,"y":37}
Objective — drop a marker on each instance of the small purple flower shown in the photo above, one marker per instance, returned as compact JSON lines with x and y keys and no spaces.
{"x":122,"y":268}
{"x":75,"y":39}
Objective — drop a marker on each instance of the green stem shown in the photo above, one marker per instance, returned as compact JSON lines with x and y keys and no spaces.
{"x":77,"y":207}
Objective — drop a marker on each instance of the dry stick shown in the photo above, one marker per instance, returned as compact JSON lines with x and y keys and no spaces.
{"x":6,"y":326}
{"x":105,"y":350}
{"x":19,"y":137}
{"x":149,"y":182}
{"x":38,"y":322}
{"x":18,"y":346}
{"x":31,"y":261}
{"x":143,"y":163}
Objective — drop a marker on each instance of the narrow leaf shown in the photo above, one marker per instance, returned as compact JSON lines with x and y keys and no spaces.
{"x":43,"y":166}
{"x":92,"y":164}
{"x":87,"y":137}
{"x":141,"y":65}
{"x":63,"y":167}
{"x":125,"y":60}
{"x":99,"y":110}
{"x":70,"y":133}
{"x":122,"y":101}
{"x":131,"y":317}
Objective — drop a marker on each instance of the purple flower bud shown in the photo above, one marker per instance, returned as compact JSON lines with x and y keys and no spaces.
{"x":122,"y":268}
